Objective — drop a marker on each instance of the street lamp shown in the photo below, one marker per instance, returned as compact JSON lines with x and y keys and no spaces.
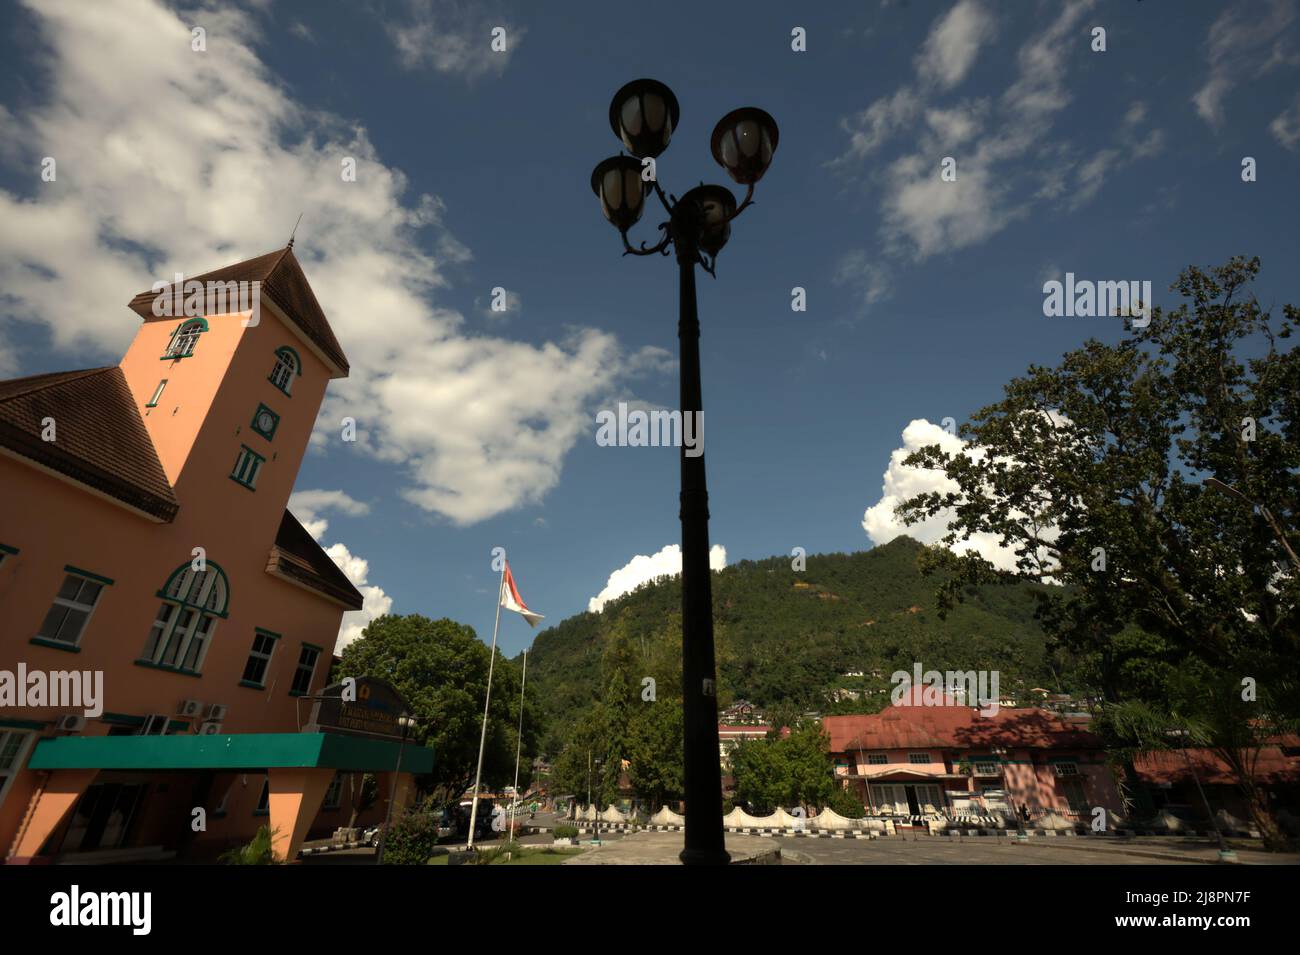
{"x":1225,"y":854}
{"x":1001,"y":752}
{"x":407,"y":723}
{"x":644,"y":115}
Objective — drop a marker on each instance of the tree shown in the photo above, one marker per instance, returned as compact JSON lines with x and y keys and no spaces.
{"x":785,"y":771}
{"x":655,"y":752}
{"x":1094,"y":474}
{"x":441,"y":668}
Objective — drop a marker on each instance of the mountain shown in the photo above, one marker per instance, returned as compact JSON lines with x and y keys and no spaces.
{"x":787,"y":637}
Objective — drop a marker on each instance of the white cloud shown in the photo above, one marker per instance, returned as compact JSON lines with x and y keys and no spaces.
{"x":1286,"y":127}
{"x":227,"y":159}
{"x":954,"y":42}
{"x":868,"y":277}
{"x":640,"y":569}
{"x":452,"y":37}
{"x":1000,"y":146}
{"x":902,"y":482}
{"x":310,"y":507}
{"x":376,"y":602}
{"x":1247,"y":40}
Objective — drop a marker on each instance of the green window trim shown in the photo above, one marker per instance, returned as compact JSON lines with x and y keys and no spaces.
{"x":275,"y":422}
{"x":157,"y":394}
{"x":12,"y":551}
{"x":249,"y":684}
{"x":225,"y":583}
{"x":54,"y":645}
{"x":248,"y":462}
{"x":268,"y":633}
{"x":312,"y":646}
{"x":199,"y":323}
{"x":166,"y":669}
{"x":106,"y":581}
{"x":23,"y":725}
{"x":283,"y":351}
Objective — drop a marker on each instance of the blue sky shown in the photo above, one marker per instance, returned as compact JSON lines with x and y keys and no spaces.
{"x":479,"y":430}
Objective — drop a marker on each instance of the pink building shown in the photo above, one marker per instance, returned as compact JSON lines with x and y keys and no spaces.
{"x":144,"y":538}
{"x":949,"y":760}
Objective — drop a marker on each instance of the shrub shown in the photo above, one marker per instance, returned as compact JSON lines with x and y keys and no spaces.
{"x":566,"y":832}
{"x":256,"y":852}
{"x":846,"y":804}
{"x":411,"y":839}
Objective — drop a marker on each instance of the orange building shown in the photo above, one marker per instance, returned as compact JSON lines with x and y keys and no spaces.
{"x":145,"y":543}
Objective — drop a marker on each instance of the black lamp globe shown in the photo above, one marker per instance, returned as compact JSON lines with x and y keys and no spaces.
{"x":643,"y":114}
{"x":716,"y":206}
{"x":617,"y":181}
{"x":743,"y":143}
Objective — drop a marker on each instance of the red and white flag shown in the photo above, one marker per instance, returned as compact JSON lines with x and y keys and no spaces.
{"x":511,"y":600}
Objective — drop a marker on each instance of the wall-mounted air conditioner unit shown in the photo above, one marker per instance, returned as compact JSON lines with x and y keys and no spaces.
{"x":211,"y":728}
{"x":217,"y":711}
{"x":190,"y":708}
{"x":72,"y":723}
{"x":155,"y":725}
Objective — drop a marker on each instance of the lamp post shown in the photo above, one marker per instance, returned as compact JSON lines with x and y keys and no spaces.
{"x":406,"y":722}
{"x":1001,"y":752}
{"x":644,"y":115}
{"x":1225,"y":854}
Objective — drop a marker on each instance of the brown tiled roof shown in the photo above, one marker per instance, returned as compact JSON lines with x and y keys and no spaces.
{"x":284,"y":283}
{"x":956,"y":727}
{"x":99,"y":439}
{"x":297,"y":556}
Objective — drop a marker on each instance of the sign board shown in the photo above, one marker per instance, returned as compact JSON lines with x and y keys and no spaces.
{"x":374,"y":711}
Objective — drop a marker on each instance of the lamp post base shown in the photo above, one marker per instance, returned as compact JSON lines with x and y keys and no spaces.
{"x":705,"y":857}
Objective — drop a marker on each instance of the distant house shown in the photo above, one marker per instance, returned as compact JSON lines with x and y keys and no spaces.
{"x":930,"y":760}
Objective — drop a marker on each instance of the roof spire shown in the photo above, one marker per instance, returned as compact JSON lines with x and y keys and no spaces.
{"x":294,"y":232}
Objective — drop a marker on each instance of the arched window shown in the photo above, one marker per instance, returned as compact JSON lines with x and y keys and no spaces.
{"x":185,"y":338}
{"x":287,"y":365}
{"x":193,"y":600}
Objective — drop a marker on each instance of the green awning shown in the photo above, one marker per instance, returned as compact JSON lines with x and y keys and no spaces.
{"x":248,"y":751}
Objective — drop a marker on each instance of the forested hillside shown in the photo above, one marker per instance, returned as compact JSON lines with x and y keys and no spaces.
{"x":786,"y":638}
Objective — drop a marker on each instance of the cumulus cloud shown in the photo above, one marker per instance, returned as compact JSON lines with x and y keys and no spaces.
{"x":310,"y":507}
{"x":1286,"y":126}
{"x":227,"y":159}
{"x":640,"y":569}
{"x":902,"y":482}
{"x":376,"y":602}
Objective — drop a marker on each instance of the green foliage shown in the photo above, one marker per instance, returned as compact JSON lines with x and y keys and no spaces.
{"x":441,"y":669}
{"x":783,"y":771}
{"x":256,"y":851}
{"x":844,"y":802}
{"x":411,"y":839}
{"x":1174,"y":455}
{"x":566,"y":832}
{"x":785,"y":638}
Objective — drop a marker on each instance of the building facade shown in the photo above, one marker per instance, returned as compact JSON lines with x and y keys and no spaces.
{"x":917,"y":761}
{"x":145,"y":542}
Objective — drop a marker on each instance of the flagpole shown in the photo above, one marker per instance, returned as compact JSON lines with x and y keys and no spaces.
{"x":482,"y":740}
{"x":519,"y":742}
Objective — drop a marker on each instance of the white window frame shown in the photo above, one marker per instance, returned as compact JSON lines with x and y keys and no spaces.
{"x":157,"y":393}
{"x":73,"y":604}
{"x":265,"y":657}
{"x":285,"y":363}
{"x":991,"y":769}
{"x":1057,"y":767}
{"x":248,"y":466}
{"x":877,"y":759}
{"x":186,"y":333}
{"x":10,"y":773}
{"x":200,"y":624}
{"x":300,"y":667}
{"x":923,"y":761}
